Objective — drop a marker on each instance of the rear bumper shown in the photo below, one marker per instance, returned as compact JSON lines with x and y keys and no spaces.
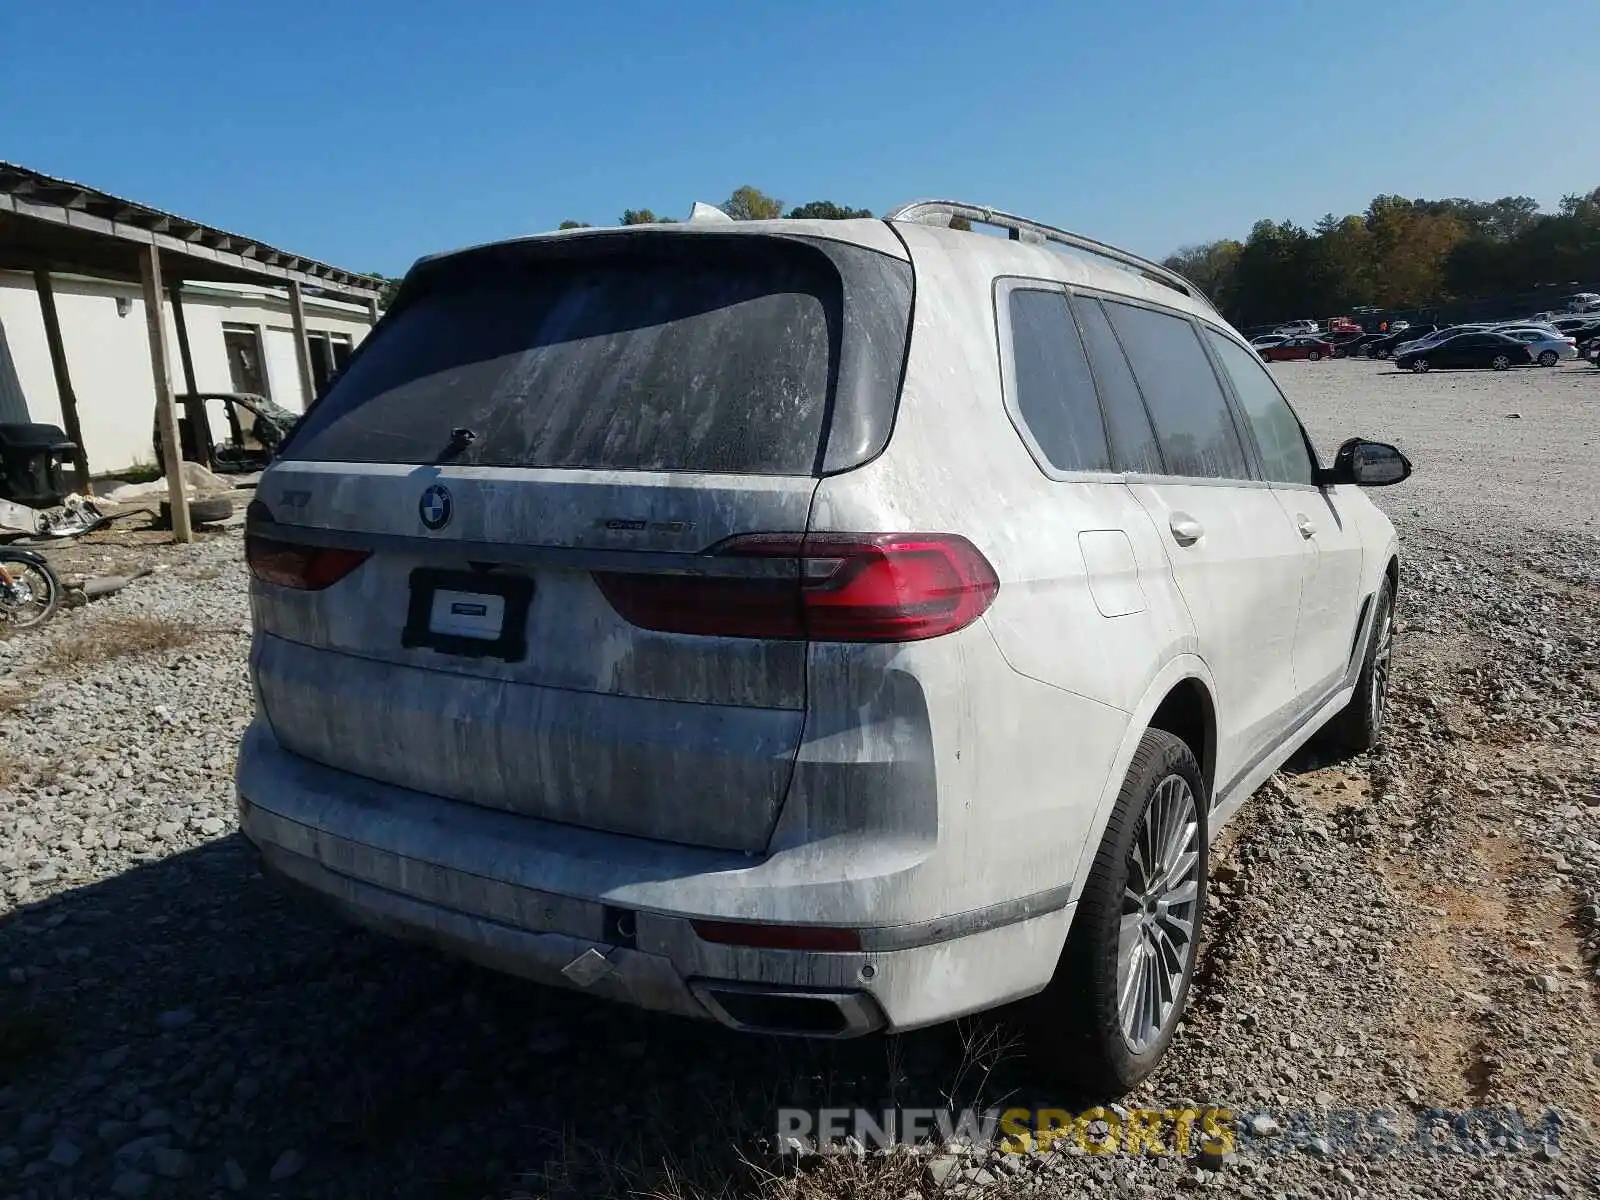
{"x":545,"y":902}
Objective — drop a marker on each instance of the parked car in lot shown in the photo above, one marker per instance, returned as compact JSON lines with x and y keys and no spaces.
{"x":1384,"y":346}
{"x":1546,"y":345}
{"x":1573,"y":323}
{"x":1591,"y":350}
{"x":1296,"y":328}
{"x":1312,"y":349}
{"x":1438,"y":335}
{"x":1268,"y":339}
{"x":1474,"y":348}
{"x":1362,"y":347}
{"x":1583,"y":333}
{"x":1343,"y":341}
{"x":676,"y":614}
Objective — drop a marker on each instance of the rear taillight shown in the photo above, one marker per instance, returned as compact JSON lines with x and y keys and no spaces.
{"x":291,"y":565}
{"x":844,"y":587}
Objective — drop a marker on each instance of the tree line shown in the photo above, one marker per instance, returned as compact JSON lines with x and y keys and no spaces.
{"x":746,"y":204}
{"x":1398,"y":254}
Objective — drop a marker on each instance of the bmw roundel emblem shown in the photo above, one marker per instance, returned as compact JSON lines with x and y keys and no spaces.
{"x":435,"y":507}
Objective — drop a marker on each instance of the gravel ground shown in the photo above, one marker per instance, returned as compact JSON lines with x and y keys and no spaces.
{"x":1415,"y":929}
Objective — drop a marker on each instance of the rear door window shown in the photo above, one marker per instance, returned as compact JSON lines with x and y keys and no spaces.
{"x":691,"y":353}
{"x":1284,"y":457}
{"x":1180,"y":389}
{"x":1133,"y":441}
{"x":1054,"y":390}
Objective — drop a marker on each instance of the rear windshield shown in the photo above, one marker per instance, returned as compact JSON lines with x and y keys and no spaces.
{"x":690,"y":354}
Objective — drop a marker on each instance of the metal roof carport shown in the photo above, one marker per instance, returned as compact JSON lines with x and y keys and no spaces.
{"x":52,"y":225}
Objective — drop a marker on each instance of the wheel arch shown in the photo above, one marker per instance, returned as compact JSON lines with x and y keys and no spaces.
{"x":1180,"y":699}
{"x":1188,"y":712}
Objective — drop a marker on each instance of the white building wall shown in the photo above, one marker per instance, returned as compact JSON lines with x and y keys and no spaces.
{"x":108,"y":355}
{"x":283,"y":366}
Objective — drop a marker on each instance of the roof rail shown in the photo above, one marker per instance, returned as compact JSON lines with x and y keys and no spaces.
{"x":939,"y":212}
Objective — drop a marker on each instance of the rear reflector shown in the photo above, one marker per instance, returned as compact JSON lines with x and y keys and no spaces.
{"x":307,"y":568}
{"x":777,"y":937}
{"x":845,"y":587}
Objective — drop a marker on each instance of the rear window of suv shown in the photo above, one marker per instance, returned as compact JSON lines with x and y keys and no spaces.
{"x":699,"y":353}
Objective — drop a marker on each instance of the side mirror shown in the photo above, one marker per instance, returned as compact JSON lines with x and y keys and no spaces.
{"x":1367,"y":464}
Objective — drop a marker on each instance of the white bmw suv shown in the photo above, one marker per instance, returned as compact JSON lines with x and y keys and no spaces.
{"x":817,"y":626}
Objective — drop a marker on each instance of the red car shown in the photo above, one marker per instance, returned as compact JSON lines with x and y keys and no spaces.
{"x":1313,"y":349}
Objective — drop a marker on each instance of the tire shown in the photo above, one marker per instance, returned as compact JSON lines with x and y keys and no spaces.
{"x":1360,"y":726}
{"x":1314,"y":356}
{"x":1548,"y":358}
{"x":1501,"y":363}
{"x":1075,"y":1028}
{"x":33,"y":594}
{"x":1420,"y":365}
{"x":201,"y":512}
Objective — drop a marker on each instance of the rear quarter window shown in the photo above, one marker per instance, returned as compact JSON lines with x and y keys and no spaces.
{"x":1053,"y":389}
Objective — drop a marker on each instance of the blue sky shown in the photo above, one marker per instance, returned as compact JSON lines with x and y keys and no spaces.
{"x":366,"y":134}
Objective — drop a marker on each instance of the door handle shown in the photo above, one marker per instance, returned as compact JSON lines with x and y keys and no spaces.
{"x":1185,"y":529}
{"x":1306,"y":525}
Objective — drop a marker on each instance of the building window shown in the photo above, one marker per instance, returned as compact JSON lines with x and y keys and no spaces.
{"x":245,"y":368}
{"x":329,"y":353}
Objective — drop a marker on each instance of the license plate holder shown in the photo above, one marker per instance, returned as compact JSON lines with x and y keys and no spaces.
{"x":469,"y":613}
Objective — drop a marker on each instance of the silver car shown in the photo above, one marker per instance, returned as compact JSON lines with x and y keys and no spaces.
{"x":818,"y":626}
{"x":1547,"y":345}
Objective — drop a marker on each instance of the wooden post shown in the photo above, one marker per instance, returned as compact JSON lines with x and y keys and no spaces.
{"x":175,"y":291}
{"x":58,"y":363}
{"x":195,"y":411}
{"x":302,"y":345}
{"x":166,"y":418}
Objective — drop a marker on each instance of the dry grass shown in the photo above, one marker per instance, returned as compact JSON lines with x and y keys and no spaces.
{"x":13,"y":697}
{"x":724,"y":1148}
{"x":118,"y":637}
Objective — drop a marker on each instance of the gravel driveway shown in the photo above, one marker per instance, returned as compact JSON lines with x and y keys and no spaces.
{"x":1414,"y":929}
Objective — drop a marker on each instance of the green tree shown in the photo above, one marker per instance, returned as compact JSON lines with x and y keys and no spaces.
{"x":637,"y":216}
{"x":577,"y":224}
{"x":826,"y":210}
{"x":1399,"y":253}
{"x":1211,"y":266}
{"x":386,"y":293}
{"x":752,"y":204}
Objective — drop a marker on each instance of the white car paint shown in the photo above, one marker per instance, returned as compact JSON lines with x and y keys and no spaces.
{"x":947,"y":795}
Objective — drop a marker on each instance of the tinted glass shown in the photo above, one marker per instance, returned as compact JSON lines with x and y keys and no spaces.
{"x":1133,"y":442}
{"x":1185,"y":400}
{"x":716,"y":363}
{"x":1284,"y":458}
{"x":1055,"y":392}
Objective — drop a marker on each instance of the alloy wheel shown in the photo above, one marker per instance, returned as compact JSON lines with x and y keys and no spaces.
{"x":1548,"y":358}
{"x":1501,"y":363}
{"x":1382,"y":654}
{"x":1155,"y":940}
{"x":1419,"y":365}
